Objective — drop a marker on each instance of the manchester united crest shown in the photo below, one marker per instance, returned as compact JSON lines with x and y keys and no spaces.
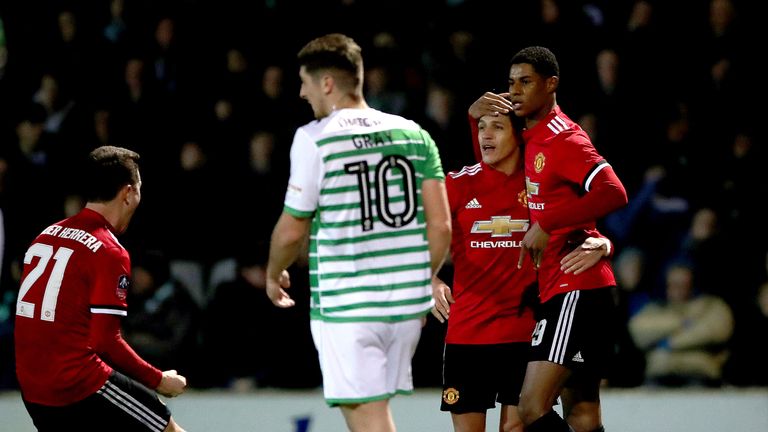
{"x":522,"y":198}
{"x":450,"y":395}
{"x":538,"y":162}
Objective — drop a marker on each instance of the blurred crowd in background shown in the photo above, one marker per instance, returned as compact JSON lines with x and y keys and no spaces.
{"x":207,"y":92}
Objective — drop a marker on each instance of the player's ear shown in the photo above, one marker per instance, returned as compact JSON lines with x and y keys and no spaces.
{"x":125,"y":191}
{"x":552,"y":83}
{"x":327,"y":83}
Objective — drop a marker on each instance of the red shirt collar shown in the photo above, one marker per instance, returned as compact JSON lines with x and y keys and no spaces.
{"x":96,"y":218}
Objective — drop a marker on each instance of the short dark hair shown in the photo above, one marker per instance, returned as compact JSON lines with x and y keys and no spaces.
{"x":541,"y":58}
{"x":109,"y":169}
{"x":333,"y":51}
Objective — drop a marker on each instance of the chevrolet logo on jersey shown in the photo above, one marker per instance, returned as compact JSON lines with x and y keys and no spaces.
{"x":500,"y":226}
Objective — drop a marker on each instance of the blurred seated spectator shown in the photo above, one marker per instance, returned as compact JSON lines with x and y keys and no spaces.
{"x":684,"y":337}
{"x":702,"y":246}
{"x":248,"y":342}
{"x":237,"y":319}
{"x":163,"y":320}
{"x":746,"y":367}
{"x":631,"y":294}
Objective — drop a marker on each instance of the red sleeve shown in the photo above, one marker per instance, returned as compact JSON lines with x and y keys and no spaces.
{"x":112,"y":348}
{"x":605,"y":195}
{"x":611,"y":248}
{"x":475,"y":142}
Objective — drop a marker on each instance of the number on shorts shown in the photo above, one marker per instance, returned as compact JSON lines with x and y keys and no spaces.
{"x":52,"y":286}
{"x":538,"y":332}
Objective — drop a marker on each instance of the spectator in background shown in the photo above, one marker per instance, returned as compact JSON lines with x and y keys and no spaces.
{"x":259,"y":170}
{"x":237,"y":81}
{"x":632,"y":293}
{"x":163,"y":324}
{"x":238,"y":350}
{"x":56,"y":102}
{"x":380,"y":93}
{"x":164,"y":60}
{"x":116,"y":30}
{"x":447,"y":126}
{"x":137,"y":118}
{"x":275,"y":108}
{"x":191,"y":177}
{"x":737,"y":207}
{"x":702,"y":246}
{"x":70,"y":57}
{"x":7,"y":293}
{"x":235,"y":341}
{"x":685,"y":336}
{"x":746,"y":366}
{"x":30,"y":174}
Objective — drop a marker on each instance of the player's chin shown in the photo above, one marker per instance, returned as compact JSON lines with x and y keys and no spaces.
{"x":489,"y":157}
{"x":519,"y":111}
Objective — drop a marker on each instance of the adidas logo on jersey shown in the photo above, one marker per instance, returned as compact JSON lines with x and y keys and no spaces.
{"x":473,"y":204}
{"x":578,"y":358}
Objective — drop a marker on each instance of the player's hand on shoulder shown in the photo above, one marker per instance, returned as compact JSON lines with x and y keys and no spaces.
{"x":172,"y":384}
{"x":490,"y":103}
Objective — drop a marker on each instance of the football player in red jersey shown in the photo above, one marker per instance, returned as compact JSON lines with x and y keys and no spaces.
{"x":491,"y":321}
{"x":75,"y":370}
{"x":569,"y":186}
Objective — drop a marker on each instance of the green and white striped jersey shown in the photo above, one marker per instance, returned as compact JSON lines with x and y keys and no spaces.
{"x":358,"y":174}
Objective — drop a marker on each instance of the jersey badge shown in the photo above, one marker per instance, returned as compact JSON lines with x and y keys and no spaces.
{"x":538,"y":162}
{"x":522,"y":198}
{"x":123,"y":283}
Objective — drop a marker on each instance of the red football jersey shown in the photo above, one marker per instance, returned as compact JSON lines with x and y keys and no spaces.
{"x":490,"y":218}
{"x":560,"y":163}
{"x":73,"y":269}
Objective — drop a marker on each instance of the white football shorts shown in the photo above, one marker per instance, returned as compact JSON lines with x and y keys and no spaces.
{"x":365,"y":361}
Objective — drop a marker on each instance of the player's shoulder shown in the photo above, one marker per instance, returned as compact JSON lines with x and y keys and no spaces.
{"x":398,"y":121}
{"x":562,"y":128}
{"x":465,"y":174}
{"x":347,"y":122}
{"x":106,"y":243}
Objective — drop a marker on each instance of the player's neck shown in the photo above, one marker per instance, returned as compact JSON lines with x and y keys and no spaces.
{"x":349,"y":100}
{"x":110,"y":211}
{"x":510,"y":164}
{"x":533,"y":119}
